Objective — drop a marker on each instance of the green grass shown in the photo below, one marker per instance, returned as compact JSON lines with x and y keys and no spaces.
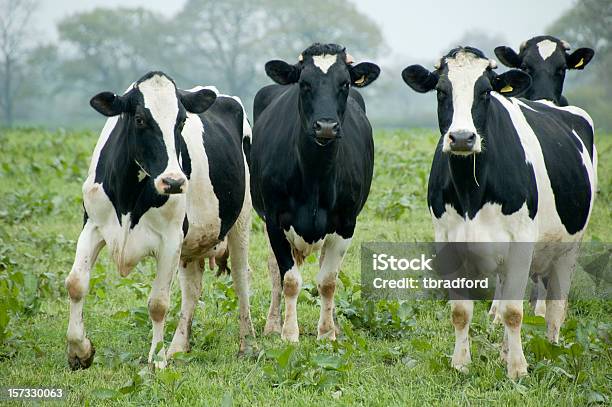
{"x":397,"y":356}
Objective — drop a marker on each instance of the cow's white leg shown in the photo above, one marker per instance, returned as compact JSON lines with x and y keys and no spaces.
{"x":559,"y":284}
{"x":273,"y":321}
{"x":540,"y":306}
{"x":167,"y":263}
{"x":80,"y":349}
{"x":494,"y":310}
{"x":334,"y":249}
{"x":190,"y":278}
{"x":512,"y":350}
{"x":461,"y":311}
{"x":238,"y":244}
{"x":292,"y":283}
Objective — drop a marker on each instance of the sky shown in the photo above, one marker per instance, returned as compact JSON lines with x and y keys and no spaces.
{"x":415,"y":29}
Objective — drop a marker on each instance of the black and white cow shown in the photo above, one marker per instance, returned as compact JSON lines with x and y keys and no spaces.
{"x":546,"y":59}
{"x":507,"y":170}
{"x":167,"y":179}
{"x":312,"y":159}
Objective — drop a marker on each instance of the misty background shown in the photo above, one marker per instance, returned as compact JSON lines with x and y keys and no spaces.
{"x":55,"y":55}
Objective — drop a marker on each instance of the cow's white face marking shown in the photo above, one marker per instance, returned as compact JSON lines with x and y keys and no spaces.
{"x":463,"y":72}
{"x":324,"y":62}
{"x":546,"y":48}
{"x":159,"y":95}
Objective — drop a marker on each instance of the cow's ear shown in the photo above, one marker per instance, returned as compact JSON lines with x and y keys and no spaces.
{"x":107,"y":103}
{"x":579,"y":58}
{"x":364,"y":74}
{"x":419,"y":78}
{"x":512,"y":82}
{"x":197,"y":102}
{"x":508,"y":57}
{"x":282,"y":72}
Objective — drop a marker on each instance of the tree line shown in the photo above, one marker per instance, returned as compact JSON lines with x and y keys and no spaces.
{"x":227,"y":44}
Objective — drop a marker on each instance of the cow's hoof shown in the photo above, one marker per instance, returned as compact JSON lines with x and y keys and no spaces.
{"x":77,"y":362}
{"x":273,"y":326}
{"x":462,"y":368}
{"x":248,"y":348}
{"x":461,"y":360}
{"x":176,"y":347}
{"x":292,"y":335}
{"x":328,"y":334}
{"x":517,"y":368}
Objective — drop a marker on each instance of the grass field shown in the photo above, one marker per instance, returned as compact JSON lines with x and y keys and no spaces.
{"x":390,"y":354}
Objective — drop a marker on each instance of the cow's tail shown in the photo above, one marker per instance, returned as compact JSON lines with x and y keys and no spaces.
{"x":247,"y":132}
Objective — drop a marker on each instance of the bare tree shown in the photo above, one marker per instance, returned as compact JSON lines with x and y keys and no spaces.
{"x":14,"y":35}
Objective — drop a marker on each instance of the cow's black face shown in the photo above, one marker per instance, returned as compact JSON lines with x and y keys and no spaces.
{"x":464,"y":81}
{"x":324,"y":76}
{"x":153,"y":113}
{"x":546,"y":60}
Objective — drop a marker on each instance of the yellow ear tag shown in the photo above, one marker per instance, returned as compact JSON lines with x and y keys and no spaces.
{"x":506,"y":89}
{"x":580,"y":63}
{"x":360,"y":81}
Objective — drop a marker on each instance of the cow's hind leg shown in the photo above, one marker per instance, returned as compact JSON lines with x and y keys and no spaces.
{"x":334,"y":249}
{"x":167,"y":263}
{"x":558,"y":287}
{"x":80,"y":349}
{"x":238,"y":244}
{"x":273,"y":321}
{"x":190,"y":278}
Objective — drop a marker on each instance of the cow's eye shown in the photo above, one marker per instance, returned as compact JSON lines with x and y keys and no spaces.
{"x":305,"y":85}
{"x":139,"y":120}
{"x":485,"y":94}
{"x":346,"y":85}
{"x":561,"y":71}
{"x":442,"y":94}
{"x":181,"y":124}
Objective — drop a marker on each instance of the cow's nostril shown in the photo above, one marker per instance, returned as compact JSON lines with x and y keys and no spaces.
{"x":452,"y":138}
{"x":472,"y":138}
{"x":317,"y":126}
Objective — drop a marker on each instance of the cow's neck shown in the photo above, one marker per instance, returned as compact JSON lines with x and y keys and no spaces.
{"x":469,"y":179}
{"x":316,"y":163}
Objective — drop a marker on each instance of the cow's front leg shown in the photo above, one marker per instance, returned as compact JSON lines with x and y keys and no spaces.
{"x":80,"y":349}
{"x":516,"y":273}
{"x":334,"y":249}
{"x":190,"y":278}
{"x":238,"y":244}
{"x":461,"y":312}
{"x":291,"y":278}
{"x":167,"y":263}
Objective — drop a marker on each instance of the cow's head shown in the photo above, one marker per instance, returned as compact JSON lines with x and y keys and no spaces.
{"x":546,"y":59}
{"x":324,"y":74}
{"x":464,"y":79}
{"x":153,"y":112}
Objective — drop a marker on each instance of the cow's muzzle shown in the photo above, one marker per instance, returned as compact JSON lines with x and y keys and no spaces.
{"x":462,"y":141}
{"x":168,"y":184}
{"x":326,"y":131}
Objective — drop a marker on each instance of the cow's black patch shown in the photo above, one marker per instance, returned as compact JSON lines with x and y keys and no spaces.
{"x":568,"y":176}
{"x":223,"y":144}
